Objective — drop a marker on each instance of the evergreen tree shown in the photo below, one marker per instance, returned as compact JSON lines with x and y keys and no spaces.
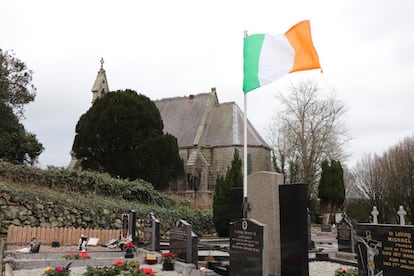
{"x":122,"y":134}
{"x":331,"y":190}
{"x":221,"y":208}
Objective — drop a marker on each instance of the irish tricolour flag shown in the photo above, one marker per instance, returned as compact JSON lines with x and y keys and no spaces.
{"x":270,"y":57}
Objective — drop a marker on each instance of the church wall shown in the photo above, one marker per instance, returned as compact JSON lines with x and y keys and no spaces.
{"x":220,"y":159}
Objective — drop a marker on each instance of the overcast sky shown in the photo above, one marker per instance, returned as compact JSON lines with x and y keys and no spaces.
{"x":175,"y":48}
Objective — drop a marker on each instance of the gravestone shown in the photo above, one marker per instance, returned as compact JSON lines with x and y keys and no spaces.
{"x":263,"y":196}
{"x":374,"y":214}
{"x":235,"y":204}
{"x":151,"y":232}
{"x":326,"y":228}
{"x":248,"y":240}
{"x":128,"y":226}
{"x":402,"y":213}
{"x":124,"y":226}
{"x":344,"y":235}
{"x":132,"y":225}
{"x":93,"y":242}
{"x":384,"y":249}
{"x":184,"y":242}
{"x":293,"y":229}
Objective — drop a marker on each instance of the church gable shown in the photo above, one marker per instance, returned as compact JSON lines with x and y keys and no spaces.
{"x":226,"y":127}
{"x":182,"y":116}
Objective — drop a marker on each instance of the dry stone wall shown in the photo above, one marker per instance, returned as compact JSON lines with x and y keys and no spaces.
{"x":21,"y":211}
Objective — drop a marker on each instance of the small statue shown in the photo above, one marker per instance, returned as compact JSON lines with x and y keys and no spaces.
{"x":82,"y":243}
{"x":34,"y":246}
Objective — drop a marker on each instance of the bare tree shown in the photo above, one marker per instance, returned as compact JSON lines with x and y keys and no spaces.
{"x":307,"y":130}
{"x":368,"y":176}
{"x":388,"y":180}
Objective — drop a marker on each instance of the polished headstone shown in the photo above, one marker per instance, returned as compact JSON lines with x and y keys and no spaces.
{"x":248,"y":240}
{"x":184,"y":242}
{"x":293,"y":229}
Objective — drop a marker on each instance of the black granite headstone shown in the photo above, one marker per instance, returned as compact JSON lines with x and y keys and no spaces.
{"x":344,"y":235}
{"x":184,"y":242}
{"x":132,"y":222}
{"x":236,"y":204}
{"x":384,"y":249}
{"x":151,"y":232}
{"x":247,"y":248}
{"x":293,"y":229}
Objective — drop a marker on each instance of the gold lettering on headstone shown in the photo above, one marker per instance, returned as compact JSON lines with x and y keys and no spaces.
{"x":399,"y":252}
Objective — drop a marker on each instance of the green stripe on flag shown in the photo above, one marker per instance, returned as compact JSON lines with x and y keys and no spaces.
{"x":251,"y":54}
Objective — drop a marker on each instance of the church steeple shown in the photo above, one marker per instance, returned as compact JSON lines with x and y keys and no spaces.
{"x":100,"y":87}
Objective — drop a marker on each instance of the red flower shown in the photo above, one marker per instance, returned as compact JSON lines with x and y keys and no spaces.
{"x":119,"y":262}
{"x":83,"y":255}
{"x":129,"y":245}
{"x":147,"y":270}
{"x":168,"y":255}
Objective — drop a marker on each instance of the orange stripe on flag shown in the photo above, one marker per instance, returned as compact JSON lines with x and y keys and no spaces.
{"x":306,"y":57}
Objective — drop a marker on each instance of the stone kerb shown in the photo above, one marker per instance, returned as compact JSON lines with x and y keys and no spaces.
{"x":263,"y":195}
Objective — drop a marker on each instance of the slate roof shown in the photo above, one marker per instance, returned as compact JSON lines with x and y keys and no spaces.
{"x":182,"y":117}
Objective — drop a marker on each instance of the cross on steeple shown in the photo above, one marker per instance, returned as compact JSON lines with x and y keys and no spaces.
{"x":100,"y":87}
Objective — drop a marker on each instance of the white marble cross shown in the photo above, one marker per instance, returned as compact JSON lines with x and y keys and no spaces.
{"x":402,"y":213}
{"x":374,"y":214}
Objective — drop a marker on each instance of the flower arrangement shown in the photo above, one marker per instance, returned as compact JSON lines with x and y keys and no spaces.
{"x":119,"y":267}
{"x":72,"y":256}
{"x":346,"y":272}
{"x":122,"y":242}
{"x":168,"y":257}
{"x":57,"y":271}
{"x":129,"y":245}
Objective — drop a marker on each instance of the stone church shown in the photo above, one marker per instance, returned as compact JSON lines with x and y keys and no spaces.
{"x":207,"y":132}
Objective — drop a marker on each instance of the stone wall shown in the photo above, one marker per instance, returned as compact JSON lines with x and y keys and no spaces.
{"x":22,"y":211}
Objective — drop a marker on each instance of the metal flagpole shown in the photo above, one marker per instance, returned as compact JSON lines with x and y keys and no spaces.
{"x":245,"y":201}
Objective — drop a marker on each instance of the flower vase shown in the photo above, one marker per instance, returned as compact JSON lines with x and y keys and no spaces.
{"x":129,"y":254}
{"x":168,"y":266}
